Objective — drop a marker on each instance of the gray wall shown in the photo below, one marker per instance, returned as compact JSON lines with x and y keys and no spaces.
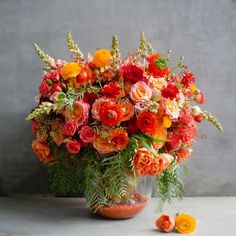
{"x":204,"y":31}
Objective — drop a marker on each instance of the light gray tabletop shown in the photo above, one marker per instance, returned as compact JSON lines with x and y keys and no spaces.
{"x":48,"y":216}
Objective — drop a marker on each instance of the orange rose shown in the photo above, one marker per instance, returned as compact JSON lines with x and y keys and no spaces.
{"x":140,"y":91}
{"x":185,"y":223}
{"x":119,"y":138}
{"x":127,"y":109}
{"x":102,"y":145}
{"x":164,"y":161}
{"x":102,"y":57}
{"x":70,"y":70}
{"x":42,"y":151}
{"x":142,"y":159}
{"x":165,"y":223}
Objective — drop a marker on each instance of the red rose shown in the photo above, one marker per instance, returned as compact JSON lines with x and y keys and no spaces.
{"x":69,"y":128}
{"x":43,"y":88}
{"x":146,"y":122}
{"x":133,"y":73}
{"x":90,"y":98}
{"x":87,"y":134}
{"x":56,"y":88}
{"x":110,"y":114}
{"x":111,"y":90}
{"x":73,"y":147}
{"x":153,"y":69}
{"x":187,"y":79}
{"x":170,"y":91}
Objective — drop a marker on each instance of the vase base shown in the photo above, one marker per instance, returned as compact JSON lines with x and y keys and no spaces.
{"x":123,"y":211}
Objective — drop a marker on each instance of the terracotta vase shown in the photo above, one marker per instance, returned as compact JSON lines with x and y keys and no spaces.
{"x":131,"y":207}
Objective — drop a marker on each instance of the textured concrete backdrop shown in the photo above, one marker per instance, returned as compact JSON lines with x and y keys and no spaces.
{"x":203,"y":31}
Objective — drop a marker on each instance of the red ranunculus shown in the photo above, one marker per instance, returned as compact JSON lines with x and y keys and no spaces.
{"x":146,"y":122}
{"x":187,"y":79}
{"x":87,"y":134}
{"x":69,"y":128}
{"x":133,"y":73}
{"x":111,"y":90}
{"x":153,"y":69}
{"x":110,"y":114}
{"x":73,"y":146}
{"x":170,"y":91}
{"x":84,"y":76}
{"x":43,"y":88}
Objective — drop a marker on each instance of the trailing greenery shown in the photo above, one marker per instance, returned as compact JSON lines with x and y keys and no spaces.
{"x":169,"y":184}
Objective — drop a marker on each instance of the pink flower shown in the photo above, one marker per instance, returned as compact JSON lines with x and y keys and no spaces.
{"x":57,"y":87}
{"x":73,"y":147}
{"x":69,"y":128}
{"x":200,"y":98}
{"x":140,"y":91}
{"x":87,"y":134}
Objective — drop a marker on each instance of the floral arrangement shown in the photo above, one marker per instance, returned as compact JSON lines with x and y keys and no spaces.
{"x":101,"y":120}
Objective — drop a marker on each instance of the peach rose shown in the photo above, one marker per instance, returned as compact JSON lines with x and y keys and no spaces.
{"x":171,"y":108}
{"x":102,"y":57}
{"x":79,"y":114}
{"x":164,"y":161}
{"x":165,"y":223}
{"x":140,"y":91}
{"x":127,"y":108}
{"x":70,"y":70}
{"x":102,"y":145}
{"x":42,"y":151}
{"x":157,"y":83}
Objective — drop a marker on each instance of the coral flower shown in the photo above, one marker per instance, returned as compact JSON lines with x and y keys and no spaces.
{"x":185,"y":223}
{"x":70,"y":70}
{"x":119,"y":138}
{"x":102,"y":145}
{"x":165,"y":223}
{"x":87,"y":134}
{"x":42,"y":150}
{"x":102,"y":57}
{"x":110,"y":114}
{"x":146,"y":122}
{"x":127,"y":109}
{"x":140,"y":91}
{"x":160,"y":132}
{"x":97,"y":106}
{"x":183,"y":154}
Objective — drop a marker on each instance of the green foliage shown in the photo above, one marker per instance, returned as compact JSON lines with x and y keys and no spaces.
{"x":169,"y":184}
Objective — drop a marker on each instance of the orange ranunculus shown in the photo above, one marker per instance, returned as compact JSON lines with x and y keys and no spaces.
{"x":102,"y":57}
{"x":119,"y":138}
{"x":127,"y":109}
{"x":42,"y":150}
{"x":70,"y":70}
{"x":160,"y":133}
{"x":165,"y":223}
{"x":102,"y":145}
{"x":185,"y":223}
{"x":142,"y":159}
{"x":140,"y":91}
